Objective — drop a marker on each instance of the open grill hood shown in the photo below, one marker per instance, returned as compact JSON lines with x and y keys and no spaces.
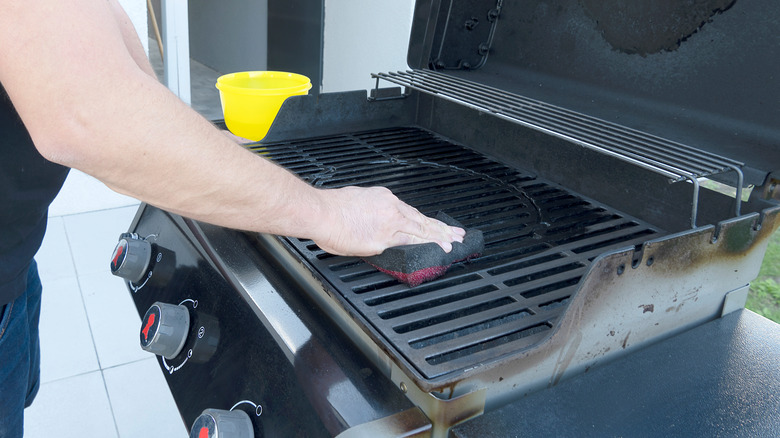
{"x":701,"y":73}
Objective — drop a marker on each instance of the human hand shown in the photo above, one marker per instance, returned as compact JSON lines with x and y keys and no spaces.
{"x":365,"y":221}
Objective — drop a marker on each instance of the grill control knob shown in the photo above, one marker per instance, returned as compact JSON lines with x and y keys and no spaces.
{"x":131,"y":258}
{"x":216,"y":423}
{"x":164,"y":329}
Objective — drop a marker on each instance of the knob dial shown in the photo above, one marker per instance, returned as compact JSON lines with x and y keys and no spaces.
{"x":131,"y":258}
{"x":164,"y":329}
{"x":217,"y":423}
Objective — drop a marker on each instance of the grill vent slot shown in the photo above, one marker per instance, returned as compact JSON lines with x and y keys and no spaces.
{"x":460,"y":313}
{"x":474,"y":328}
{"x":434,"y":303}
{"x":472,"y":350}
{"x":539,"y":242}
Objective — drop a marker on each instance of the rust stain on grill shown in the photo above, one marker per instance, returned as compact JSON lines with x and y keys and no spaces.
{"x":731,"y":240}
{"x":647,"y":308}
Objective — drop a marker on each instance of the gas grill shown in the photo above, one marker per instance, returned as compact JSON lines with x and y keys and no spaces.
{"x":539,"y":238}
{"x":605,"y":242}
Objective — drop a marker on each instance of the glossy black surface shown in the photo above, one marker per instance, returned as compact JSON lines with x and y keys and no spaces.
{"x":246,"y":365}
{"x":693,"y":72}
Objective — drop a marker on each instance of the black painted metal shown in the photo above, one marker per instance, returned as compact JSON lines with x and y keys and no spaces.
{"x":295,"y":38}
{"x":540,"y":239}
{"x":247,"y":364}
{"x":708,"y":86}
{"x":251,"y":368}
{"x":688,"y":385}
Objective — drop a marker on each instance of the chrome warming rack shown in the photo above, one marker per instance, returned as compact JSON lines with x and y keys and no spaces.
{"x":676,"y":161}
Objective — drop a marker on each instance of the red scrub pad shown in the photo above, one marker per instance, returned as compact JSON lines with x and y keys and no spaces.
{"x":416,"y":264}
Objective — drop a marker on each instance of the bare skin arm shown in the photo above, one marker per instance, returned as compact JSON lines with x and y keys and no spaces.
{"x":132,"y":42}
{"x":77,"y":75}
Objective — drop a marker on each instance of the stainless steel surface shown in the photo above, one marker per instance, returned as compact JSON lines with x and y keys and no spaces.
{"x":674,"y":160}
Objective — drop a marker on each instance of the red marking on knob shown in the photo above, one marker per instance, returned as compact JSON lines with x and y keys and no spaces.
{"x":204,"y":432}
{"x":149,"y":323}
{"x":118,"y":253}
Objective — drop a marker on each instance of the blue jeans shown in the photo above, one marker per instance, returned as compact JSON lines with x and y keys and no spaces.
{"x":19,"y":355}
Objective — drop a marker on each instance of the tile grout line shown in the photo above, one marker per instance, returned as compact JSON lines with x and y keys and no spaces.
{"x":110,"y":405}
{"x":89,"y":324}
{"x":98,"y":210}
{"x":84,"y":373}
{"x":81,"y":294}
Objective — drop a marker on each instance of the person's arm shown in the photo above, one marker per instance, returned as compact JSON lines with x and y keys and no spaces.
{"x":130,"y":36}
{"x":88,"y":102}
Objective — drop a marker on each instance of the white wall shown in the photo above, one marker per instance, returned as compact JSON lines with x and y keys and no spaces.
{"x":363,"y":37}
{"x":136,"y":10}
{"x":360,"y":37}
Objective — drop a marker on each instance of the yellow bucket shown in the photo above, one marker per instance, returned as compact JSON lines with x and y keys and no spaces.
{"x":251,"y":99}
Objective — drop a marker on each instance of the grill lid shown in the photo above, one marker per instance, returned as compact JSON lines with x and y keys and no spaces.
{"x":701,"y":73}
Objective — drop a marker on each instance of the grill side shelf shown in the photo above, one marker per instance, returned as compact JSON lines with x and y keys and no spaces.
{"x":676,"y":161}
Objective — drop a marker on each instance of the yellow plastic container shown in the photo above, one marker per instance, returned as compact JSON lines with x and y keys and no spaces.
{"x":251,"y":99}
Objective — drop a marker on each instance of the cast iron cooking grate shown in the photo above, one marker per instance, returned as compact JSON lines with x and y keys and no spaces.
{"x":539,"y":241}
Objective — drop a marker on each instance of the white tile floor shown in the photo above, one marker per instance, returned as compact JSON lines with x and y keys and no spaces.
{"x":96,"y":380}
{"x":94,"y":374}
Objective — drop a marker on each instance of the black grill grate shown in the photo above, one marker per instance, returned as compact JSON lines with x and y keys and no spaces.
{"x":539,"y":241}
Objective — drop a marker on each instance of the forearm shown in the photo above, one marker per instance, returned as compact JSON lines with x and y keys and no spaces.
{"x":132,"y":42}
{"x":171,"y":157}
{"x":87,"y":98}
{"x":88,"y":103}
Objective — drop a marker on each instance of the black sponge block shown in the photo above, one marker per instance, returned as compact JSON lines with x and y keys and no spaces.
{"x":416,"y":264}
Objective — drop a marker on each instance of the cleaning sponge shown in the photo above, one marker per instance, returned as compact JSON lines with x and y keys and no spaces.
{"x":416,"y":264}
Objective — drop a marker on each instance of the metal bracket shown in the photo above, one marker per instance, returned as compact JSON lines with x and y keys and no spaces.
{"x":461,"y":33}
{"x":735,"y":300}
{"x":388,"y":93}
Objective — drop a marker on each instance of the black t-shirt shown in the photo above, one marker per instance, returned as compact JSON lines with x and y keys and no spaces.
{"x":28,"y":184}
